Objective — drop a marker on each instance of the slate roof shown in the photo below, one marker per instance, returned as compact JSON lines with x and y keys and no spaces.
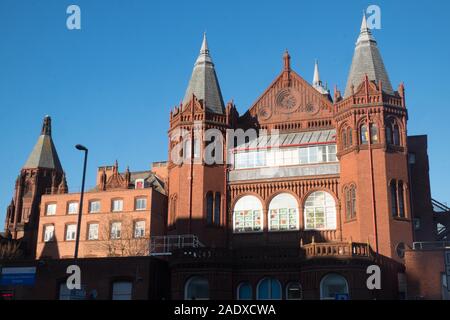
{"x":204,"y":83}
{"x":44,"y":153}
{"x":367,"y":60}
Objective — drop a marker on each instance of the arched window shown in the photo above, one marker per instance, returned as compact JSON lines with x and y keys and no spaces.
{"x":344,"y":138}
{"x":247,"y":215}
{"x":244,"y":291}
{"x":283,"y":213}
{"x":187,"y":150}
{"x":197,"y":288}
{"x":373,"y":133}
{"x":389,"y":136}
{"x":172,"y":209}
{"x":364,"y":134}
{"x":209,"y":207}
{"x":394,"y":201}
{"x":320,"y":211}
{"x":350,"y":136}
{"x":332,"y":286}
{"x":294,"y":291}
{"x":217,"y":205}
{"x":396,"y":135}
{"x":401,"y":200}
{"x":350,"y":202}
{"x":268,"y":289}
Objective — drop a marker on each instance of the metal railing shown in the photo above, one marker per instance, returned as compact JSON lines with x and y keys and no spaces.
{"x":165,"y":245}
{"x":431,"y":245}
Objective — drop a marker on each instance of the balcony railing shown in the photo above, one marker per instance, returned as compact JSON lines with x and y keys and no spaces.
{"x":341,"y":249}
{"x":165,"y":245}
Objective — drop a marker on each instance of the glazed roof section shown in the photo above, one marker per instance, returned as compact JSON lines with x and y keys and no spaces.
{"x":290,"y":139}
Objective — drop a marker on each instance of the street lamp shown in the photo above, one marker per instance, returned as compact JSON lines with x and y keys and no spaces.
{"x":80,"y":206}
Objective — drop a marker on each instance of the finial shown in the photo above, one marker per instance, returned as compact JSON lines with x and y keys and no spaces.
{"x":204,"y":49}
{"x":287,"y":61}
{"x":47,"y":126}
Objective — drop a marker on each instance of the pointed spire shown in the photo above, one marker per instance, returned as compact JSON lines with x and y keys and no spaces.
{"x":367,"y":60}
{"x":317,"y":83}
{"x":63,"y":188}
{"x":365,"y":33}
{"x":47,"y":126}
{"x":204,"y":83}
{"x":44,"y":153}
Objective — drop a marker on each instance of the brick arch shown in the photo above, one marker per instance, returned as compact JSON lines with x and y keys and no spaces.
{"x":278,"y":192}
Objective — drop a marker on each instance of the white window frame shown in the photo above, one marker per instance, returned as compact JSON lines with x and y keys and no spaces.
{"x":116,"y":226}
{"x":70,"y":207}
{"x":71,"y":231}
{"x":96,"y":202}
{"x":47,"y":231}
{"x":90,"y":225}
{"x":329,"y":211}
{"x":273,"y":205}
{"x":137,"y":200}
{"x":242,"y":206}
{"x":113,"y":205}
{"x":50,"y":209}
{"x":137,"y":228}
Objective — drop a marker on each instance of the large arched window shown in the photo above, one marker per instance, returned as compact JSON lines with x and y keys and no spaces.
{"x":244,"y":291}
{"x":333,"y":286}
{"x":209,"y":207}
{"x":196,"y":288}
{"x":268,"y":289}
{"x":283,"y":213}
{"x":320,"y":211}
{"x":247,"y":215}
{"x":294,"y":291}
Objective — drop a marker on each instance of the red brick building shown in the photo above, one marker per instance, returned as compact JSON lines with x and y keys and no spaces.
{"x":325,"y":187}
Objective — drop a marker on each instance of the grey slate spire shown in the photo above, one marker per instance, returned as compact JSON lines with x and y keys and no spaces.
{"x":44,"y":153}
{"x":204,"y":83}
{"x":367,"y":60}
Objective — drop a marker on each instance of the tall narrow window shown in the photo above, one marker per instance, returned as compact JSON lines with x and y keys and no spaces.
{"x":344,"y":138}
{"x":196,"y":148}
{"x":209,"y":207}
{"x":348,"y":205}
{"x":217,"y":205}
{"x":401,"y":200}
{"x":350,"y":136}
{"x":172,"y":209}
{"x":389,"y":138}
{"x":396,"y":135}
{"x":364,"y":134}
{"x":394,"y":202}
{"x":353,"y":200}
{"x":373,"y":133}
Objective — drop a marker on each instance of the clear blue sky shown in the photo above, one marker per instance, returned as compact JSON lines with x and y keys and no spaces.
{"x":111,"y":85}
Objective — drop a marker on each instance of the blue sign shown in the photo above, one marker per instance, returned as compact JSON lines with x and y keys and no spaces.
{"x":25,"y":276}
{"x":342,"y":296}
